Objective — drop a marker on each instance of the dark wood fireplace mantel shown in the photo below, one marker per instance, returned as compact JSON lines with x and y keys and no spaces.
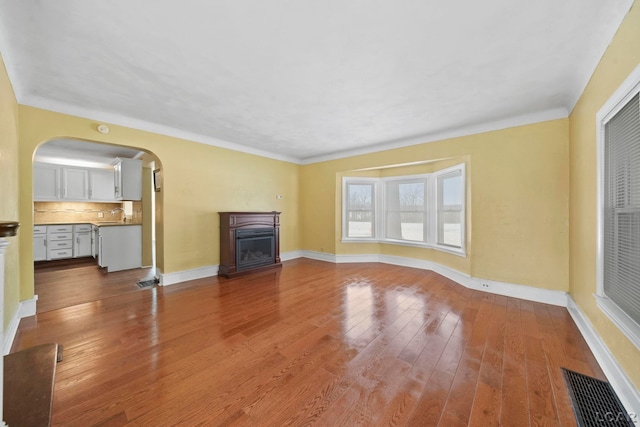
{"x":241,"y":228}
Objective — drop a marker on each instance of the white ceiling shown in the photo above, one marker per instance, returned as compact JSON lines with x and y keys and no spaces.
{"x":301,"y":80}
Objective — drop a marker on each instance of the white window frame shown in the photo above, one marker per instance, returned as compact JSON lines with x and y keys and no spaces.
{"x":383,"y":200}
{"x":345,"y":208}
{"x":629,"y":88}
{"x":431,"y":203}
{"x":436,"y":176}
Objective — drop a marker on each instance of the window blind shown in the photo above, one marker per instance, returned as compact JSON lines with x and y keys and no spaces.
{"x":621,"y":257}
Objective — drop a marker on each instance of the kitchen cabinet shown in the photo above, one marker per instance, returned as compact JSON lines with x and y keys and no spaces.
{"x":59,"y":241}
{"x":75,"y":184}
{"x":94,"y":241}
{"x":128,"y":179}
{"x":53,"y":182}
{"x":39,"y":243}
{"x":46,"y":182}
{"x":81,"y":240}
{"x":120,"y":247}
{"x":101,"y":185}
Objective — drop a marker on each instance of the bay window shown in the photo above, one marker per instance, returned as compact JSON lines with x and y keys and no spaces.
{"x":418,"y":210}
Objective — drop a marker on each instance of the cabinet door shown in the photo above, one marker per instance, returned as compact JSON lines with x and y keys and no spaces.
{"x":101,"y":183}
{"x":128,"y":179}
{"x":46,"y":182}
{"x":39,"y":247}
{"x":117,"y":178}
{"x":82,"y":244}
{"x":75,"y":184}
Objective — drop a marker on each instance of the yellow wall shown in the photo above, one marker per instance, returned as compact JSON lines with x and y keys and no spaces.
{"x":622,"y":56}
{"x":198,"y":181}
{"x":518,"y":184}
{"x":9,"y":189}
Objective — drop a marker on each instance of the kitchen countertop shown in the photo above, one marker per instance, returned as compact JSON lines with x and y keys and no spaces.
{"x":96,"y":223}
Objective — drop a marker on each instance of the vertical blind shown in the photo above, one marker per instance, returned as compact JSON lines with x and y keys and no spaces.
{"x":622,"y":209}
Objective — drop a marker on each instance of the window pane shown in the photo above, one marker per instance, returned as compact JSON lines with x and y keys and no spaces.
{"x":621,"y":248}
{"x":450,"y":203}
{"x":360,"y":210}
{"x":405,"y":210}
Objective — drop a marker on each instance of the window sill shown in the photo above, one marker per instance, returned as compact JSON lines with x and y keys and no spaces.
{"x":622,"y":320}
{"x":460,"y":253}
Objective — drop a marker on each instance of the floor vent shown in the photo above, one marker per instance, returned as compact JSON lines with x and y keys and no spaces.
{"x":147,"y":283}
{"x":594,"y":401}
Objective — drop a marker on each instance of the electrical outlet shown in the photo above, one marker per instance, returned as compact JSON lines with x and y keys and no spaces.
{"x":100,"y":215}
{"x":279,"y":197}
{"x":486,"y":285}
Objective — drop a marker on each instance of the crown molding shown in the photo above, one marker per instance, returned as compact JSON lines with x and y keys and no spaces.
{"x":526,"y":119}
{"x":120,"y":120}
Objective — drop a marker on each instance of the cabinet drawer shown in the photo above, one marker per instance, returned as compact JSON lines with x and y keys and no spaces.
{"x":81,"y":227}
{"x":67,"y":228}
{"x":60,"y":244}
{"x":60,"y":253}
{"x":59,"y":236}
{"x":39,"y":229}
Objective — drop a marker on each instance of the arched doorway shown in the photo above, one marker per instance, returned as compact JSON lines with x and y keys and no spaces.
{"x":94,"y":221}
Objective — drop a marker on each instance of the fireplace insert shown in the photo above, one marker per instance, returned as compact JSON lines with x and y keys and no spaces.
{"x":255,"y":247}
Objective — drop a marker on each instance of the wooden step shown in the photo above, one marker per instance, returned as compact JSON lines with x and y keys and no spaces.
{"x":29,"y":375}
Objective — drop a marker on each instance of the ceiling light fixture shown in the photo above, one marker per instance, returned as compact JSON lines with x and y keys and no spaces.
{"x":103,"y":129}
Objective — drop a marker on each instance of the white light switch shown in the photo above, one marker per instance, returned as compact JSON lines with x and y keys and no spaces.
{"x":279,"y":197}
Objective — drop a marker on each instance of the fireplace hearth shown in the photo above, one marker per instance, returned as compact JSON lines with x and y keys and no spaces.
{"x":249,"y":242}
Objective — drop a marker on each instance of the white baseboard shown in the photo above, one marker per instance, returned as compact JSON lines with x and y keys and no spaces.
{"x":529,"y":293}
{"x":288,"y":256}
{"x":26,"y":308}
{"x":167,"y":279}
{"x":318,"y":256}
{"x":617,"y":378}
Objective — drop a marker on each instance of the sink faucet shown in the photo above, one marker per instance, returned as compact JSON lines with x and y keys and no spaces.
{"x":113,"y":211}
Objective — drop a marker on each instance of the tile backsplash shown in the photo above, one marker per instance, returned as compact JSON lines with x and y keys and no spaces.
{"x":60,"y":212}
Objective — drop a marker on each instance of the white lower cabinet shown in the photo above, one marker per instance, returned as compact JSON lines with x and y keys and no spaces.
{"x":81,"y":240}
{"x":39,"y":243}
{"x":120,"y":247}
{"x":51,"y":242}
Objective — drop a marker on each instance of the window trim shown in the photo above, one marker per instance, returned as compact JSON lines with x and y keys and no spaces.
{"x":383,"y":209}
{"x":431,"y":230}
{"x":463,"y":212}
{"x":627,"y":90}
{"x":345,"y":224}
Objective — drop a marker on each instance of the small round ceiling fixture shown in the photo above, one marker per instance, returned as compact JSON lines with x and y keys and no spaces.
{"x":103,"y":129}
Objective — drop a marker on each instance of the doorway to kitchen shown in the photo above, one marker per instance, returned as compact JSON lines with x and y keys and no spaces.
{"x":94,"y":222}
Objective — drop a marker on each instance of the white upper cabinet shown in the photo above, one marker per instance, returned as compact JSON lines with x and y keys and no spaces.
{"x":75,"y":184}
{"x":46,"y":182}
{"x":128,"y":179}
{"x":54,"y":182}
{"x":101,"y":185}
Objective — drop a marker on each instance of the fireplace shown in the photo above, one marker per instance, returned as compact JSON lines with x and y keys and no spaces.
{"x":254,"y":247}
{"x":249,"y":242}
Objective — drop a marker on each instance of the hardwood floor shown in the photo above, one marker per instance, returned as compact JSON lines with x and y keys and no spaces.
{"x":315,"y":343}
{"x":64,"y":283}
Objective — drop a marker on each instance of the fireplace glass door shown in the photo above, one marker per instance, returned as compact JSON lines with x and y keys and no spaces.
{"x":254,"y":247}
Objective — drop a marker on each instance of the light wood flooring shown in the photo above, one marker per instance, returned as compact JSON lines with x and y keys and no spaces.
{"x":313,"y":344}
